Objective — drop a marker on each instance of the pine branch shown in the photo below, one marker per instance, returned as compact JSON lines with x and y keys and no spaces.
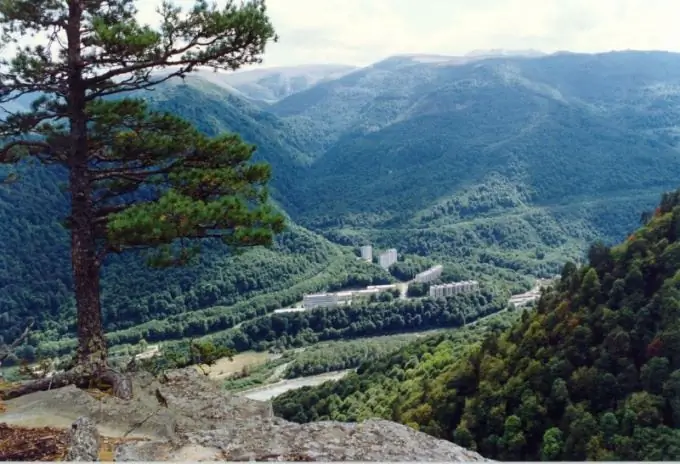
{"x":6,"y":151}
{"x":137,"y":179}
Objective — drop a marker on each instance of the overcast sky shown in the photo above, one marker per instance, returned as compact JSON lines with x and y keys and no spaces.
{"x":364,"y":31}
{"x":360,"y":32}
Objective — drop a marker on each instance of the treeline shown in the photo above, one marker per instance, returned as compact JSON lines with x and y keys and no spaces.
{"x":408,"y":266}
{"x":282,"y":331}
{"x":346,"y":354}
{"x":317,"y":359}
{"x":388,"y":383}
{"x":343,"y":271}
{"x":297,"y":329}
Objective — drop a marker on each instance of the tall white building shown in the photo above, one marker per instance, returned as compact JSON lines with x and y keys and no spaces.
{"x":367,"y":253}
{"x":430,"y":275}
{"x":388,"y":258}
{"x":454,"y":288}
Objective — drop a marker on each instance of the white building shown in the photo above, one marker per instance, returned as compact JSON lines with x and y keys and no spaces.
{"x":316,"y":300}
{"x":289,"y":310}
{"x":344,"y":297}
{"x":382,"y":287}
{"x":365,"y":293}
{"x":326,"y":300}
{"x":388,"y":258}
{"x":430,"y":275}
{"x":454,"y":288}
{"x":367,"y":253}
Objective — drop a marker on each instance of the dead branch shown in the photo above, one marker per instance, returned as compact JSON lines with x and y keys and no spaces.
{"x":121,"y":385}
{"x":12,"y":346}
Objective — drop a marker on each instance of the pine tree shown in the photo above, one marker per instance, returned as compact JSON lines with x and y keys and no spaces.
{"x":137,"y":178}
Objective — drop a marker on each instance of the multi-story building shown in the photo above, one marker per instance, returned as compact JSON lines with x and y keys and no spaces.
{"x":388,"y":258}
{"x":367,"y":253}
{"x":430,"y":275}
{"x":454,"y":288}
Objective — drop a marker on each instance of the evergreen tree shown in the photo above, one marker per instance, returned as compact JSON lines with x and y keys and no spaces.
{"x":136,"y":178}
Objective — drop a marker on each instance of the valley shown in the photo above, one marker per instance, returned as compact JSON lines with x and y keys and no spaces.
{"x":498,"y":172}
{"x":452,"y":161}
{"x":590,"y":374}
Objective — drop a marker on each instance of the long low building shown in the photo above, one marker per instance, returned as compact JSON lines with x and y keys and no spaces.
{"x":316,"y":300}
{"x":330,"y":300}
{"x":430,"y":275}
{"x":453,"y":288}
{"x":382,"y":287}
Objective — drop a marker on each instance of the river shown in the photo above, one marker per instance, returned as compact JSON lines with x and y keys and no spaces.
{"x":268,"y":392}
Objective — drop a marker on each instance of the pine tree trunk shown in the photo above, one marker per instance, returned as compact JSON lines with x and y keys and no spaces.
{"x":91,"y":368}
{"x":91,"y":343}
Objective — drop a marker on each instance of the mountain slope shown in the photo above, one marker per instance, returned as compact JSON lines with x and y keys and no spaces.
{"x":592,"y":374}
{"x":497,"y":167}
{"x":516,"y":156}
{"x":401,"y":125}
{"x":269,"y":85}
{"x":35,"y":275}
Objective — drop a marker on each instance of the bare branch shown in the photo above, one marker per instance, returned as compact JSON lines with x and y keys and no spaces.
{"x":12,"y":346}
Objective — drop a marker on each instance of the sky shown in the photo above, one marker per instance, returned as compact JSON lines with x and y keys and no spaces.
{"x":361,"y":32}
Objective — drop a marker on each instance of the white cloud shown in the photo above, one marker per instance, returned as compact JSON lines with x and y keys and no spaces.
{"x":364,"y":31}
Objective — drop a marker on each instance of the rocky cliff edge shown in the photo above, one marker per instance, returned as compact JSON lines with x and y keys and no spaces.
{"x":185,"y":416}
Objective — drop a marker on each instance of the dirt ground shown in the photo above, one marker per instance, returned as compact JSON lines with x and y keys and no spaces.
{"x":224,"y":367}
{"x":44,"y":444}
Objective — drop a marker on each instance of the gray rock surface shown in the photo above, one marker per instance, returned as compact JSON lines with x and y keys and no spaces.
{"x":187,"y":417}
{"x":83,"y":441}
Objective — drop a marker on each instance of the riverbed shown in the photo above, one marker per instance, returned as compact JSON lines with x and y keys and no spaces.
{"x":273,"y":390}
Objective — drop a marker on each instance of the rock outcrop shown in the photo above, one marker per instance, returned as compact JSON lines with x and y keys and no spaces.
{"x":184,"y":416}
{"x":83,"y":441}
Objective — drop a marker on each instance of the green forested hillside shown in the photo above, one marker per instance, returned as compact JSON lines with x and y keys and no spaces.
{"x":269,"y":85}
{"x":35,"y":276}
{"x":510,"y":163}
{"x":593,"y":373}
{"x":500,"y":168}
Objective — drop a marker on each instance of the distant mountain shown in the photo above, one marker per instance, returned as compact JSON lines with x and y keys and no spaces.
{"x":512,"y":162}
{"x":499,"y":52}
{"x":269,"y":85}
